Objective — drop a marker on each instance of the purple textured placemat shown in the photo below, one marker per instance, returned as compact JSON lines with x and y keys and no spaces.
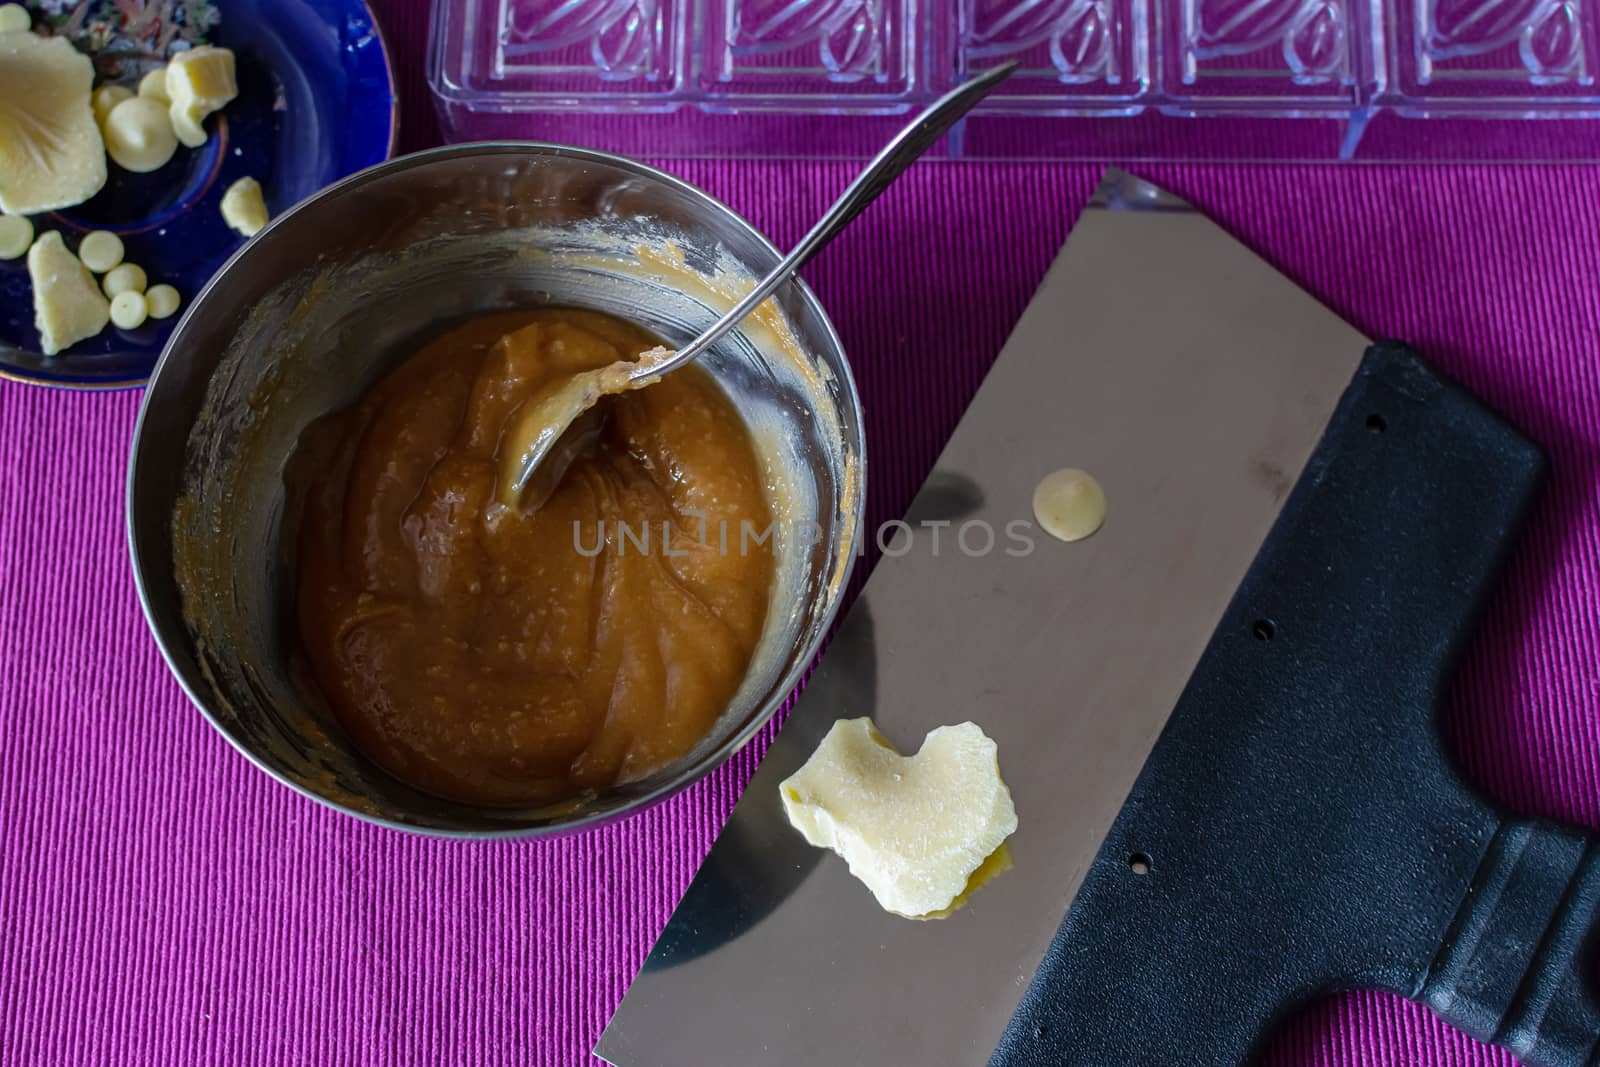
{"x":161,"y":902}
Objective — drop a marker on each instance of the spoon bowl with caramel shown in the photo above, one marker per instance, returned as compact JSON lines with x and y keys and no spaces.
{"x":331,"y":573}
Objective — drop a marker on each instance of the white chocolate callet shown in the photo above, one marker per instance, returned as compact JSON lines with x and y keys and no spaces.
{"x":154,"y":86}
{"x":139,"y":135}
{"x":51,"y":154}
{"x":199,"y":82}
{"x":14,"y":18}
{"x":1069,"y":504}
{"x":127,"y":277}
{"x":100,"y":251}
{"x":244,"y":208}
{"x":162,"y":301}
{"x":914,"y":829}
{"x":107,"y":97}
{"x":67,"y":307}
{"x":16,"y":236}
{"x":129,"y":310}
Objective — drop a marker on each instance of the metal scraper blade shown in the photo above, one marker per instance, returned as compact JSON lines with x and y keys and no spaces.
{"x":1193,"y":381}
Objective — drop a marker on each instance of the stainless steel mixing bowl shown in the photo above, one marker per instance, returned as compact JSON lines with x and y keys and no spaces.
{"x":323,"y":301}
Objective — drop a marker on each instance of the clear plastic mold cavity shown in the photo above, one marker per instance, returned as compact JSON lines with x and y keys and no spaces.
{"x":1400,"y":80}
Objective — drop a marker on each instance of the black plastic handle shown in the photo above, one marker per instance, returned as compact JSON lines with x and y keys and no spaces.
{"x":1518,"y":964}
{"x":1299,"y":828}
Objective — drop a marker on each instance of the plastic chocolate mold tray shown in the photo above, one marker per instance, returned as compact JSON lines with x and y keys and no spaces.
{"x":1424,"y":80}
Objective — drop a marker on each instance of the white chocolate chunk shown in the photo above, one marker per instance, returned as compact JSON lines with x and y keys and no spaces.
{"x":100,"y":251}
{"x":67,"y":307}
{"x":14,"y":18}
{"x":16,"y":236}
{"x":154,"y":86}
{"x":199,"y":81}
{"x":128,"y":277}
{"x":129,"y":310}
{"x":1069,"y":504}
{"x":915,"y":829}
{"x":107,"y":97}
{"x":51,"y":155}
{"x":139,"y":135}
{"x":162,"y":301}
{"x":244,"y":208}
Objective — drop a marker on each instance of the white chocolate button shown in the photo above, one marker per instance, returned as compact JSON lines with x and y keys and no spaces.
{"x":67,"y":308}
{"x":154,"y":86}
{"x":107,"y":97}
{"x":1069,"y":504}
{"x":920,"y":831}
{"x":100,"y":251}
{"x":129,"y":277}
{"x":199,"y":81}
{"x":162,"y":301}
{"x":244,"y":208}
{"x":129,"y":310}
{"x":14,"y":18}
{"x":139,"y":135}
{"x":16,"y":236}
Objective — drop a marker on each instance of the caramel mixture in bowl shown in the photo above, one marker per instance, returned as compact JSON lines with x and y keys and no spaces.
{"x":500,"y":657}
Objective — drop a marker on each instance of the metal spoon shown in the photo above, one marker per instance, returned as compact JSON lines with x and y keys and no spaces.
{"x":550,"y":435}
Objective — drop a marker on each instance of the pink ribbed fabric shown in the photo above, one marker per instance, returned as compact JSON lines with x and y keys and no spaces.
{"x":161,"y":902}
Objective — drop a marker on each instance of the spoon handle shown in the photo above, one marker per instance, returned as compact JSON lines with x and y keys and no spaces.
{"x":906,"y":148}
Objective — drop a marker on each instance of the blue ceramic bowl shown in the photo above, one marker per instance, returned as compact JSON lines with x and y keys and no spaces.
{"x":316,"y":103}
